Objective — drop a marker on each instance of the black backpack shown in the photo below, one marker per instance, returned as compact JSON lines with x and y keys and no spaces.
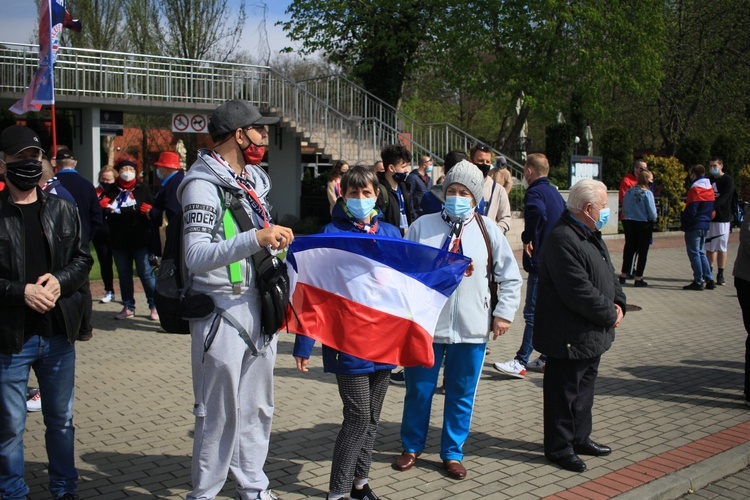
{"x":169,"y":290}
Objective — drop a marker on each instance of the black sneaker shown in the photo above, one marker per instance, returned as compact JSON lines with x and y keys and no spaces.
{"x":398,"y":378}
{"x":68,"y":496}
{"x":693,"y":286}
{"x":622,"y":280}
{"x":710,"y":285}
{"x":639,"y":284}
{"x":364,"y":494}
{"x":720,"y":279}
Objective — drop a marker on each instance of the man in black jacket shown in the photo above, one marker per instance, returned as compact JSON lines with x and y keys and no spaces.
{"x":43,"y":265}
{"x":90,"y":212}
{"x":579,"y":304}
{"x":395,"y":199}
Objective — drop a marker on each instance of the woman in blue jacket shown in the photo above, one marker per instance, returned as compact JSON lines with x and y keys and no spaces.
{"x":638,"y":216}
{"x":362,"y":383}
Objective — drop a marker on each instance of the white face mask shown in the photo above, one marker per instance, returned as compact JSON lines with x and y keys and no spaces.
{"x":127,"y":176}
{"x":524,"y":182}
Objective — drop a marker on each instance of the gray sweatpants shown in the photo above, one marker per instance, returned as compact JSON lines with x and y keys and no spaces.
{"x":233,"y":402}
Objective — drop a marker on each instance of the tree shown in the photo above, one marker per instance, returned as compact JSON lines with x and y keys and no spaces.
{"x":616,"y":148}
{"x":202,"y":29}
{"x":545,"y":51}
{"x":103,"y":24}
{"x":377,"y":42}
{"x":143,"y":35}
{"x":707,"y":67}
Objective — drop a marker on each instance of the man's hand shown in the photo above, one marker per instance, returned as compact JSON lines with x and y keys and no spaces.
{"x":620,"y":315}
{"x":469,"y":269}
{"x":38,"y":299}
{"x":528,"y":248}
{"x":301,"y":363}
{"x":499,"y":327}
{"x":50,"y":283}
{"x":278,"y":237}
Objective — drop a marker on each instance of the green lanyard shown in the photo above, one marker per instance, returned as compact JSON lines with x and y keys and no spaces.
{"x":235,"y":274}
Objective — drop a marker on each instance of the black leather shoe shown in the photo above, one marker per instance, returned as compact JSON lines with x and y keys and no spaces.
{"x":570,"y":462}
{"x":593,"y":449}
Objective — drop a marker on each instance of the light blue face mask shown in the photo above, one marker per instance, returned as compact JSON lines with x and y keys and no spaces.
{"x":714,"y":172}
{"x":159,"y":174}
{"x":458,"y":206}
{"x":360,"y":208}
{"x":603,"y":218}
{"x":429,"y":170}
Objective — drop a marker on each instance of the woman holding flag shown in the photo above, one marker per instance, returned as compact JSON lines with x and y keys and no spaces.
{"x":462,"y":332}
{"x":362,"y":383}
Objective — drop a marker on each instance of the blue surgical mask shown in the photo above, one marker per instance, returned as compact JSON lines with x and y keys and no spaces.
{"x":458,"y":206}
{"x":159,"y":174}
{"x":603,"y":218}
{"x":360,"y":208}
{"x":429,"y":170}
{"x":714,"y":172}
{"x":400,"y":176}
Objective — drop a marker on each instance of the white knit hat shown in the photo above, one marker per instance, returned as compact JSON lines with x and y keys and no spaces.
{"x":466,"y":174}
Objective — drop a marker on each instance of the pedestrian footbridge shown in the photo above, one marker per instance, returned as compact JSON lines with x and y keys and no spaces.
{"x":332,"y":115}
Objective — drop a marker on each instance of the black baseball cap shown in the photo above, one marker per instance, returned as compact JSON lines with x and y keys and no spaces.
{"x":65,"y":154}
{"x":17,"y":138}
{"x":235,"y":114}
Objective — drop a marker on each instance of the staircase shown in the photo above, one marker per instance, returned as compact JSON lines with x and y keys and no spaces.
{"x":433,"y":139}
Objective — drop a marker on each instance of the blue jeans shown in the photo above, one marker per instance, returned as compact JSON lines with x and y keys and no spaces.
{"x":695,"y":242}
{"x":53,"y":360}
{"x":527,"y":346}
{"x":463,"y":366}
{"x":124,"y":261}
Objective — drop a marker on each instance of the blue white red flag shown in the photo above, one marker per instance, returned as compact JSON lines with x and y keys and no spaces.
{"x":52,"y":18}
{"x":374,"y":297}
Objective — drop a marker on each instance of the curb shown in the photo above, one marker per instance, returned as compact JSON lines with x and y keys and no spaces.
{"x":694,"y":477}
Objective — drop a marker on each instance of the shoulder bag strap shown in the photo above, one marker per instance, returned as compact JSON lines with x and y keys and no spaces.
{"x":491,"y":283}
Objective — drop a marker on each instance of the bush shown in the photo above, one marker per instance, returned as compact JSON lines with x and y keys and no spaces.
{"x":616,"y":149}
{"x":742,"y":182}
{"x":515,"y":197}
{"x":693,"y":151}
{"x":669,"y":184}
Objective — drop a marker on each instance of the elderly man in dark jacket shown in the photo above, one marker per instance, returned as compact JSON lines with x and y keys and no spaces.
{"x":579,"y":304}
{"x":43,"y":264}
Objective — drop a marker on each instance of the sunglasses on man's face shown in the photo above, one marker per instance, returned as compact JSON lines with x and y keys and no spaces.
{"x":482,"y":147}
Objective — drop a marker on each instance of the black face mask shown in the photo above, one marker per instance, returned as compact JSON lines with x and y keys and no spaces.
{"x":485,"y":169}
{"x":24,"y":174}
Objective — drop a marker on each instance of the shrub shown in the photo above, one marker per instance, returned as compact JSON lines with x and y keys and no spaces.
{"x":742,"y":182}
{"x":516,"y":197}
{"x":616,"y":149}
{"x":669,"y":184}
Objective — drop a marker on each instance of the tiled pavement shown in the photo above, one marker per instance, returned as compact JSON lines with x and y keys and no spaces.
{"x":668,"y":402}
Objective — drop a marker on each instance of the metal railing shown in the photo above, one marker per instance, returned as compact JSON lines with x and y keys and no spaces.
{"x":340,"y":119}
{"x":353,"y":100}
{"x":118,"y":75}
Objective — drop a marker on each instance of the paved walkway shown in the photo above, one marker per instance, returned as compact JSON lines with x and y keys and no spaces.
{"x":668,"y":402}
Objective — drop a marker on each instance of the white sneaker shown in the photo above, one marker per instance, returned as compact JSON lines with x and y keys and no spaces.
{"x":537,"y":365}
{"x":267,"y":495}
{"x":108,"y":297}
{"x":512,"y":368}
{"x":34,"y":403}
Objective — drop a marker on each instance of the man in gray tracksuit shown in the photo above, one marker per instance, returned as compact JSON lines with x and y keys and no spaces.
{"x":233,"y":387}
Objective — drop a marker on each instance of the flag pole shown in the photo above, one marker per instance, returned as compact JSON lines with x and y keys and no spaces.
{"x":54,"y":134}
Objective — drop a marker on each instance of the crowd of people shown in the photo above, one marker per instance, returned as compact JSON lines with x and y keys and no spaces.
{"x":573,"y":304}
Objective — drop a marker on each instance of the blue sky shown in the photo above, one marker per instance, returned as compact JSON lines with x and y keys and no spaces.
{"x":18,"y":21}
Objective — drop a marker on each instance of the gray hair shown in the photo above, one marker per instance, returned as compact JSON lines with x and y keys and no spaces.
{"x":584,"y":192}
